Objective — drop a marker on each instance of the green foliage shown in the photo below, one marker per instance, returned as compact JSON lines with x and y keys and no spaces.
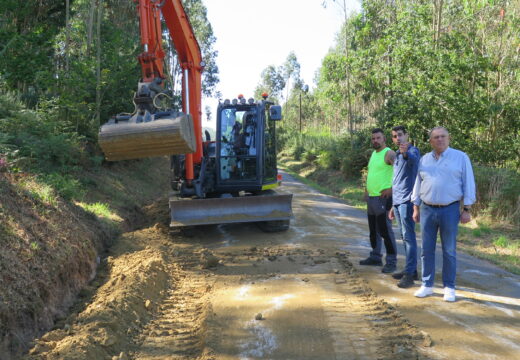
{"x":35,"y":143}
{"x":396,"y":65}
{"x":27,"y":31}
{"x":394,"y":68}
{"x":41,"y":192}
{"x":498,"y":192}
{"x":272,"y":82}
{"x":98,"y":209}
{"x":347,"y":152}
{"x":69,"y":188}
{"x":501,"y":241}
{"x":55,"y":70}
{"x":356,"y":153}
{"x":328,"y":160}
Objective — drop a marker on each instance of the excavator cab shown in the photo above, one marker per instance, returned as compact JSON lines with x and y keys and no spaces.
{"x":245,"y":147}
{"x":240,"y":172}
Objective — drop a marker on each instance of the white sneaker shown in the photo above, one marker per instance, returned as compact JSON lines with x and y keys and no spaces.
{"x":424,"y":291}
{"x":449,"y":294}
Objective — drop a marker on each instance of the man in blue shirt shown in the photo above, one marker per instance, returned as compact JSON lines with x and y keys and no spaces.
{"x":445,"y":178}
{"x":405,"y":172}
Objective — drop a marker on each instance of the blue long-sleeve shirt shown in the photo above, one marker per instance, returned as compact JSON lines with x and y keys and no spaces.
{"x":405,"y":172}
{"x":444,"y":180}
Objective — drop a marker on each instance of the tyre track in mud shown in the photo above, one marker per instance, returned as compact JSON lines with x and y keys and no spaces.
{"x":178,"y":330}
{"x":160,"y":293}
{"x":338,"y":308}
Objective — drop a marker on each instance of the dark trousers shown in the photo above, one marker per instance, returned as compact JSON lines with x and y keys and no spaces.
{"x":380,"y":226}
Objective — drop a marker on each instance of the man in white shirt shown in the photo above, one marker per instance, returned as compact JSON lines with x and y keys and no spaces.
{"x":444,"y":179}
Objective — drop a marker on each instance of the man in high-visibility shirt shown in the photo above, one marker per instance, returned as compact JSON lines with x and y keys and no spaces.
{"x":379,"y":203}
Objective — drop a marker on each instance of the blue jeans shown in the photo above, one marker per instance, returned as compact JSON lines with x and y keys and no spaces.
{"x":446,"y":221}
{"x":403,"y":215}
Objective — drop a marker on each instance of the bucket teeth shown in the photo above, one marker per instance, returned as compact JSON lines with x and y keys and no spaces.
{"x":130,"y":140}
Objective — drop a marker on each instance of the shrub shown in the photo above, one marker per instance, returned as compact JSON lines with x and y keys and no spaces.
{"x":64,"y":185}
{"x":356,"y":153}
{"x":498,"y":192}
{"x":41,"y":141}
{"x":309,"y":155}
{"x":328,"y":159}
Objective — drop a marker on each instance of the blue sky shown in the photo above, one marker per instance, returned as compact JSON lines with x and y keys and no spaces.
{"x":253,"y":34}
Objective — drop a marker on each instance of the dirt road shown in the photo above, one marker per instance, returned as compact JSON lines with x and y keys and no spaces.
{"x":234,"y":292}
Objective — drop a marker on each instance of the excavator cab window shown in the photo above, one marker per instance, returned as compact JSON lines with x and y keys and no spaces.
{"x":238,"y":145}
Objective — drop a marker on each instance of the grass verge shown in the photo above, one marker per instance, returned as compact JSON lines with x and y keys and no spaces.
{"x":326,"y":181}
{"x":496,"y":242}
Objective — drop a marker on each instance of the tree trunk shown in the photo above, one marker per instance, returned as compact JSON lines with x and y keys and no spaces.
{"x":67,"y":35}
{"x":347,"y":72}
{"x":90,"y":25}
{"x":98,"y":62}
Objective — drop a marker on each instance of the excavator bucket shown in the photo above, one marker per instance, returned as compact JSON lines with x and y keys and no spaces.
{"x":168,"y":135}
{"x":262,"y":208}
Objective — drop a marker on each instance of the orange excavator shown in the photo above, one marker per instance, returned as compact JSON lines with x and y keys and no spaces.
{"x":232,"y":178}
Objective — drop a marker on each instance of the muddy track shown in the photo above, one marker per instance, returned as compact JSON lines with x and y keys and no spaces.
{"x":166,"y":295}
{"x":322,"y":308}
{"x":178,"y":329}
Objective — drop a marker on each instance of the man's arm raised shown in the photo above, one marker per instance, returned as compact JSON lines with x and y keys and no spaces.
{"x":390,"y":157}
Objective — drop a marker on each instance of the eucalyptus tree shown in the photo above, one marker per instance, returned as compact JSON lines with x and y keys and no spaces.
{"x":425,"y":63}
{"x":272,"y":82}
{"x":27,"y":30}
{"x":197,"y":13}
{"x":291,"y":71}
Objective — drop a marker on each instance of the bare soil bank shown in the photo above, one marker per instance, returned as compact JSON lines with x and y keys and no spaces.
{"x":51,"y":250}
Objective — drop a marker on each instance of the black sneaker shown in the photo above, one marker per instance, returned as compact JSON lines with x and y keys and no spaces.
{"x":400,"y":274}
{"x":389,"y":268}
{"x":406,"y":281}
{"x":370,"y":261}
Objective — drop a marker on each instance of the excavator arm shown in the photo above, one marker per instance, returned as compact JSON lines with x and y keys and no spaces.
{"x":191,"y":62}
{"x":148,"y":131}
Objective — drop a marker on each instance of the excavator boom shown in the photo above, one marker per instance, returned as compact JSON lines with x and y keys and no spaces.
{"x":148,"y":131}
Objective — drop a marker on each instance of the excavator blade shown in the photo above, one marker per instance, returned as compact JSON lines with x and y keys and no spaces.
{"x":189,"y":212}
{"x":130,"y":140}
